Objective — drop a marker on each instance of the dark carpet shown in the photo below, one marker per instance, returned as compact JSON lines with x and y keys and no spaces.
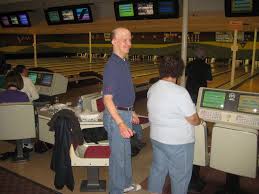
{"x":214,"y":181}
{"x":12,"y":183}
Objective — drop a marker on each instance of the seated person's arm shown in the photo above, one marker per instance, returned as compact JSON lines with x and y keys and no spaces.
{"x":194,"y":119}
{"x":33,"y":91}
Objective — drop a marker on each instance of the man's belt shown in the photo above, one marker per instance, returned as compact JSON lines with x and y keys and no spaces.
{"x":125,"y":108}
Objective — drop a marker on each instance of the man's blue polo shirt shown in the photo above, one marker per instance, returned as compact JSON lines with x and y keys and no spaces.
{"x":117,"y":81}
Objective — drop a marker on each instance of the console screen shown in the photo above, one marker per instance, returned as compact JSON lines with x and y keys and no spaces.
{"x":46,"y":79}
{"x":33,"y":77}
{"x":248,"y":104}
{"x":213,"y":99}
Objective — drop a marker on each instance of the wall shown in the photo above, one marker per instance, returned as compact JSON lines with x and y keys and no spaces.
{"x":205,"y":16}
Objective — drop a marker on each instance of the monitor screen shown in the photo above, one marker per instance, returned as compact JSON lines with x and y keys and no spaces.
{"x":145,"y":8}
{"x":167,"y":7}
{"x":5,"y":21}
{"x":46,"y":79}
{"x":67,"y":15}
{"x":71,"y":14}
{"x":126,"y":10}
{"x":24,"y":20}
{"x":248,"y":104}
{"x":14,"y":20}
{"x":33,"y":77}
{"x":82,"y":14}
{"x":242,"y":6}
{"x":213,"y":99}
{"x":53,"y":16}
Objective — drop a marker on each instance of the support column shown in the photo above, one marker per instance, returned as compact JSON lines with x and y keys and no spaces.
{"x":184,"y":38}
{"x":254,"y":52}
{"x":90,"y":47}
{"x":35,"y":50}
{"x":234,"y":48}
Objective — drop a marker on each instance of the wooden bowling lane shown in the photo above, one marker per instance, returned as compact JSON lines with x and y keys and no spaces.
{"x":225,"y":78}
{"x":251,"y":85}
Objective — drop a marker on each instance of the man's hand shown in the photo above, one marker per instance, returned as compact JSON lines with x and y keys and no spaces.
{"x":124,"y":130}
{"x":135,"y":119}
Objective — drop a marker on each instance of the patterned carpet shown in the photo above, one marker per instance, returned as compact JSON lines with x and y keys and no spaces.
{"x":214,"y":181}
{"x":12,"y":183}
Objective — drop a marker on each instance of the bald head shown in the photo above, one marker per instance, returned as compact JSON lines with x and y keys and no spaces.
{"x":118,"y":32}
{"x":121,"y":41}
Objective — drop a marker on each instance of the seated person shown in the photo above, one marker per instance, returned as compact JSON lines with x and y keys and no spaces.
{"x":13,"y":84}
{"x":29,"y":88}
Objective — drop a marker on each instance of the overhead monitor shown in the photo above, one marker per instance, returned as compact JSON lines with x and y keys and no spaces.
{"x":15,"y":19}
{"x":53,"y":16}
{"x":168,"y":8}
{"x":124,"y":10}
{"x":83,"y":14}
{"x":241,"y":8}
{"x":5,"y":21}
{"x":145,"y":8}
{"x":69,"y":14}
{"x":229,"y":107}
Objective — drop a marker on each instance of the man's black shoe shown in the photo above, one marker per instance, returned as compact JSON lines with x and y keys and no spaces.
{"x":196,"y":186}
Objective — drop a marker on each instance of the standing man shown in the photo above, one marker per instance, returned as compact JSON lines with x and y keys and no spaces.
{"x":198,"y":74}
{"x":119,"y":97}
{"x":29,"y":88}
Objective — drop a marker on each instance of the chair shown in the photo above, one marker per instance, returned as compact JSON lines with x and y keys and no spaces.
{"x":17,"y":123}
{"x":92,"y":156}
{"x":97,"y":103}
{"x":87,"y":104}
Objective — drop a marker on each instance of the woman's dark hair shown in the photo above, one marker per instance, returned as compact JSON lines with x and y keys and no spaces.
{"x":13,"y":79}
{"x":20,"y":68}
{"x":171,"y":66}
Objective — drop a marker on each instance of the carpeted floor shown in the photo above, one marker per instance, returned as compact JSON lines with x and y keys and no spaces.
{"x":12,"y":183}
{"x":214,"y":181}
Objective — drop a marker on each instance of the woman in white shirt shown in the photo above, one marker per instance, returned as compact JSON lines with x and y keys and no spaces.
{"x":172,"y":117}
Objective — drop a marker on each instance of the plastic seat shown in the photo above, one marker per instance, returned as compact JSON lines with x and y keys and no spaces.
{"x":17,"y":123}
{"x":93,"y":157}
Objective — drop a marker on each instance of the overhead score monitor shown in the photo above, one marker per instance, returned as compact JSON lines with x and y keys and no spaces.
{"x":72,"y":14}
{"x":229,"y":107}
{"x":146,"y":9}
{"x":241,"y":8}
{"x":49,"y":84}
{"x":15,"y":19}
